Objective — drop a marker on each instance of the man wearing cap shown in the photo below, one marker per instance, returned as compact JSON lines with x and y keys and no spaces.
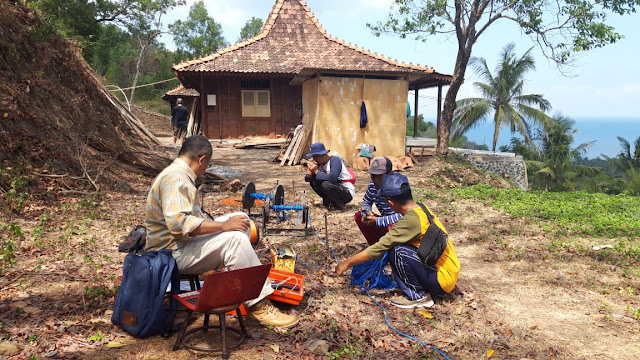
{"x":179,"y":119}
{"x":418,"y":282}
{"x":374,"y":226}
{"x":329,"y":177}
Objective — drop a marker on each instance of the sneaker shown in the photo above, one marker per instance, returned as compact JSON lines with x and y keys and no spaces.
{"x":403,"y":302}
{"x":268,"y":315}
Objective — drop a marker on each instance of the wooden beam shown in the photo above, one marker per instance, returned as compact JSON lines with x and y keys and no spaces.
{"x":439,"y":113}
{"x":415,"y":114}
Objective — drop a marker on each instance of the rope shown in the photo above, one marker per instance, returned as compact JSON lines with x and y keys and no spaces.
{"x":139,"y":86}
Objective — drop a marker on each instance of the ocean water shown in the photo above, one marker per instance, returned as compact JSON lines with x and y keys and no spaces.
{"x":602,"y":130}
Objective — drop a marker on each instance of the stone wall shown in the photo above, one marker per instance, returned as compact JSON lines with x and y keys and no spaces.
{"x":507,"y":165}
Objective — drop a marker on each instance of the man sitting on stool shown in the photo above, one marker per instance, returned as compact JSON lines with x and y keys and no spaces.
{"x":175,"y":221}
{"x":374,"y":226}
{"x":330,"y":178}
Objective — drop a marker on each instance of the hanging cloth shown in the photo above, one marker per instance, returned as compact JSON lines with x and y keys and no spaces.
{"x":363,"y":115}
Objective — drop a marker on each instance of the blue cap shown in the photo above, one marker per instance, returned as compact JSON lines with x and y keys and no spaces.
{"x":317,"y":149}
{"x":392,"y":185}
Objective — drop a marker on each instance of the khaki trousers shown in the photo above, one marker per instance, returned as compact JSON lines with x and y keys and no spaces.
{"x":230,"y":250}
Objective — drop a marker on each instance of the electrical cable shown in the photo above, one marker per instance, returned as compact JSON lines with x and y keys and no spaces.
{"x":384,"y":311}
{"x":386,"y":319}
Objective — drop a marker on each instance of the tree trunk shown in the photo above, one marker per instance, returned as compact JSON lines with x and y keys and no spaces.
{"x":450,"y":101}
{"x":135,"y":77}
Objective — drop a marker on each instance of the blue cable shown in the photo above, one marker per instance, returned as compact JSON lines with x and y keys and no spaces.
{"x":373,"y":274}
{"x":259,"y":196}
{"x":321,"y":239}
{"x":386,"y":319}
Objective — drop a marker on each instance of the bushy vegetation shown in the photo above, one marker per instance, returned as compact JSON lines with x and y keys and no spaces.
{"x":581,"y":213}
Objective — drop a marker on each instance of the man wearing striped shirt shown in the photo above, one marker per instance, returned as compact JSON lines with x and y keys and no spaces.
{"x":175,"y":221}
{"x":374,"y":226}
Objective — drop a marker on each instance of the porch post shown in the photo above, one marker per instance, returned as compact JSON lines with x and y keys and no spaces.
{"x":439,"y":110}
{"x":415,"y":114}
{"x":204,"y":122}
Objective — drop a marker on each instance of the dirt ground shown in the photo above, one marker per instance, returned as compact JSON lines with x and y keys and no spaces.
{"x":517,"y":298}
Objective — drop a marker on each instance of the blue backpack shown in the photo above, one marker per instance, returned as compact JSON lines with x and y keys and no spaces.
{"x":139,"y":307}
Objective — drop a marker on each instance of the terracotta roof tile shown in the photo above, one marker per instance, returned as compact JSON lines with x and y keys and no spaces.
{"x":292,"y":39}
{"x":180,"y":90}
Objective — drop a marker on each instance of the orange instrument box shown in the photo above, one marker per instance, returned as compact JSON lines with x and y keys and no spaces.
{"x":288,"y":287}
{"x":243,"y":311}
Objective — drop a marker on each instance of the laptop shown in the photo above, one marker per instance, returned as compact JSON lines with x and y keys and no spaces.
{"x":226,"y":288}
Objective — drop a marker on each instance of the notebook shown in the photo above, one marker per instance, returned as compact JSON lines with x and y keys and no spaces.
{"x":226,"y":288}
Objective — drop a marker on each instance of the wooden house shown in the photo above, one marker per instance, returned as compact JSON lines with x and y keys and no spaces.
{"x":293,"y":72}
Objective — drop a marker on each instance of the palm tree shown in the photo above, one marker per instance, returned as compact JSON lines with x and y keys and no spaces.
{"x":502,"y":96}
{"x":556,"y":165}
{"x":628,"y":165}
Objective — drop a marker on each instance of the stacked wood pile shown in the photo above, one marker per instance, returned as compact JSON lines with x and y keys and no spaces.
{"x":260,"y":143}
{"x":296,"y":144}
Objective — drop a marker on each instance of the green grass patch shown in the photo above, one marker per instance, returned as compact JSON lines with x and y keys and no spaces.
{"x":596,"y":215}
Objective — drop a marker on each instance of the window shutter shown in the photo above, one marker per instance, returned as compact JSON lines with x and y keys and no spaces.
{"x":263,"y":106}
{"x":248,"y":103}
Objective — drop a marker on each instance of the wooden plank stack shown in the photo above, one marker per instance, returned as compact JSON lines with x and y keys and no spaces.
{"x":296,"y":147}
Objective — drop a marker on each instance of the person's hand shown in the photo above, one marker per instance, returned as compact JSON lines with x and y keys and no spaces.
{"x":236,"y":223}
{"x":369,"y":220}
{"x":342,"y":267}
{"x":312,"y":167}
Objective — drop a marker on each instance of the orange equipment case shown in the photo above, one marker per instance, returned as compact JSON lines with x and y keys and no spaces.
{"x":291,"y":290}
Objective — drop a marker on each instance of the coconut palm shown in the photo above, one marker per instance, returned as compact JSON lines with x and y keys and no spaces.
{"x":502,"y":97}
{"x":627,"y":164}
{"x":556,"y":165}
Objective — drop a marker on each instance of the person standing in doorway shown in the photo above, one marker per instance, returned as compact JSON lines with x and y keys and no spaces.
{"x":180,"y":120}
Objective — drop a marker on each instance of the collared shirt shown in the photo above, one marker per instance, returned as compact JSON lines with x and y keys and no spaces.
{"x":173,"y":211}
{"x":388,"y":216}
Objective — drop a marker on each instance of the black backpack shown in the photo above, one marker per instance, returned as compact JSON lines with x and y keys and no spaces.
{"x":433,"y":242}
{"x":135,"y":241}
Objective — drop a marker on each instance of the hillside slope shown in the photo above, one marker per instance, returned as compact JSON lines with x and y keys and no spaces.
{"x":55,"y":116}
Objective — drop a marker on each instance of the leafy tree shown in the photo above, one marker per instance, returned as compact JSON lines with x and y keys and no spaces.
{"x":251,"y":28}
{"x":200,"y":34}
{"x":423,"y":126}
{"x":556,"y":159}
{"x":518,"y":146}
{"x":560,"y":28}
{"x":73,"y":18}
{"x":502,"y":97}
{"x":146,"y":26}
{"x":627,"y":163}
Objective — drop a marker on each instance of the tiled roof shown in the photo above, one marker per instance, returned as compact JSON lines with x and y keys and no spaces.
{"x":181,"y":91}
{"x":292,"y":39}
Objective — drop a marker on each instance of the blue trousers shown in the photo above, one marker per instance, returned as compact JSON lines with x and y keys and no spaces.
{"x":414,"y":279}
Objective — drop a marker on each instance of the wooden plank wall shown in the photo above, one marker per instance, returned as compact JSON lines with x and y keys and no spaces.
{"x":225,"y":121}
{"x":336,"y":119}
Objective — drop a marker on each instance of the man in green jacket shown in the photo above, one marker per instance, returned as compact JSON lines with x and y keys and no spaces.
{"x":416,"y":280}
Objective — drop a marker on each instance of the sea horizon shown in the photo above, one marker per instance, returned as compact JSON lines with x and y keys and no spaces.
{"x":602,"y":130}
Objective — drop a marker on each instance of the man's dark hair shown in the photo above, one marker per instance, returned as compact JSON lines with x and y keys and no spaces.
{"x":404,"y":197}
{"x":196,"y":146}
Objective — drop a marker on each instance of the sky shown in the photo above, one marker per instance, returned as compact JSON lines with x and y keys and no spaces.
{"x":605,"y":82}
